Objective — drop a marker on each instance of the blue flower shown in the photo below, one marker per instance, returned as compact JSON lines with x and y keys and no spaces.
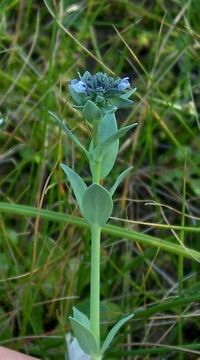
{"x":124,"y":84}
{"x":103,"y":91}
{"x":79,"y":86}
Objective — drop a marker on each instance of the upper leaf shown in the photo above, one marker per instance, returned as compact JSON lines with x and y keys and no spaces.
{"x":100,"y":149}
{"x":92,"y":112}
{"x":127,"y":94}
{"x":121,"y":102}
{"x":107,"y":127}
{"x":69,"y":133}
{"x":77,"y":184}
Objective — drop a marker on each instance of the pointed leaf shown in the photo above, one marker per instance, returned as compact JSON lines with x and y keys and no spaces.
{"x":77,"y":184}
{"x":128,"y":93}
{"x":69,"y":133}
{"x":85,"y":337}
{"x":100,"y":149}
{"x":119,"y":180}
{"x":108,"y":126}
{"x":109,"y":109}
{"x":97,"y":205}
{"x":86,"y":76}
{"x":81,"y":317}
{"x":113,"y":332}
{"x":121,"y":102}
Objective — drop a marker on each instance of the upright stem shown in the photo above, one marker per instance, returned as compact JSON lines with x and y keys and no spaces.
{"x":96,"y":171}
{"x":95,"y":282}
{"x":95,"y":255}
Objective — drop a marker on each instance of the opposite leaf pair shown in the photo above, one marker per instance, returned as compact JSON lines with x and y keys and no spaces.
{"x":86,"y":339}
{"x":108,"y":146}
{"x":95,"y":201}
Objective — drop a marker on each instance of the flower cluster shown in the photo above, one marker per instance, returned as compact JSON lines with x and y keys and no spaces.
{"x":99,"y":85}
{"x":100,"y":94}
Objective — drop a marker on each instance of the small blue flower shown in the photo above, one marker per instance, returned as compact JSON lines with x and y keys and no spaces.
{"x":124,"y":84}
{"x":104,"y":91}
{"x":79,"y":86}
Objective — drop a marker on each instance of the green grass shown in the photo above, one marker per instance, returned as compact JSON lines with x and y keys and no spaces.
{"x":150,"y":262}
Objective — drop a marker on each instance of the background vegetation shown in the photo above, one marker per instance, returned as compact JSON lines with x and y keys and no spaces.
{"x":148,"y":268}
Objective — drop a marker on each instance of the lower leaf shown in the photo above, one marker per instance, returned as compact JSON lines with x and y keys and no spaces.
{"x":81,"y":317}
{"x":74,"y":351}
{"x":113,"y":332}
{"x":85,"y":337}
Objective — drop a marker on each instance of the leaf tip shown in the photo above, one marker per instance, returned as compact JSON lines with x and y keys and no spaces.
{"x":51,"y":113}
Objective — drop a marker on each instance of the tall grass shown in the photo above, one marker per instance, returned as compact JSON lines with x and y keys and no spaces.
{"x":150,"y":261}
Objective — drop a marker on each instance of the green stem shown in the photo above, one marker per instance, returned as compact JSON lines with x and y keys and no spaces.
{"x":95,"y":255}
{"x":97,"y":171}
{"x":95,"y":282}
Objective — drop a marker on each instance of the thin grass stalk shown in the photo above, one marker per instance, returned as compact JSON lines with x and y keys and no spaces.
{"x":180,"y":266}
{"x":113,"y":230}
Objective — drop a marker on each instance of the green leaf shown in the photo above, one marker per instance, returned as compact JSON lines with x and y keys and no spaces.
{"x":86,"y":76}
{"x":82,"y":318}
{"x":113,"y":332}
{"x":107,"y":127}
{"x":127,"y":94}
{"x":85,"y":337}
{"x":69,"y":133}
{"x":109,"y":109}
{"x":97,"y":205}
{"x":100,"y":149}
{"x":77,"y":184}
{"x":121,"y":102}
{"x":119,"y":180}
{"x":92,"y":112}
